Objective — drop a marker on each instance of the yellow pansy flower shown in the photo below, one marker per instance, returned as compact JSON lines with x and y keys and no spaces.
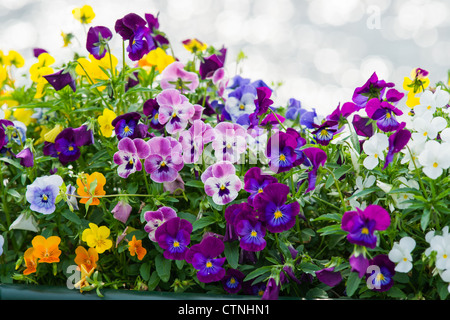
{"x":51,"y":135}
{"x":3,"y":75}
{"x":24,"y":115}
{"x":194,"y":45}
{"x":85,"y":14}
{"x":93,"y":70}
{"x":158,"y":58}
{"x":15,"y":59}
{"x":67,"y":38}
{"x":105,"y":122}
{"x":97,"y":237}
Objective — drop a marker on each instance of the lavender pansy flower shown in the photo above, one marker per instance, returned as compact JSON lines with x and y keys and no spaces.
{"x":204,"y":257}
{"x":127,"y":125}
{"x":69,"y":141}
{"x":232,"y":281}
{"x":373,"y":88}
{"x":251,"y":234}
{"x":129,"y":155}
{"x":309,"y":119}
{"x":156,"y":218}
{"x":230,"y":141}
{"x":60,"y":79}
{"x":381,"y":277}
{"x":194,"y":140}
{"x":174,"y":76}
{"x":384,"y":113}
{"x":361,"y":225}
{"x":42,"y":193}
{"x":165,"y":159}
{"x":122,"y":211}
{"x":221,"y":182}
{"x":175,"y":110}
{"x":281,"y":152}
{"x":97,"y":38}
{"x":271,"y":204}
{"x":294,"y":110}
{"x":210,"y":64}
{"x":241,"y":101}
{"x":317,"y":157}
{"x":174,"y":236}
{"x":26,"y":158}
{"x":255,"y":182}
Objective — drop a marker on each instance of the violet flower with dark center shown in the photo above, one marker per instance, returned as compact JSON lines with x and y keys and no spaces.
{"x":151,"y":110}
{"x":301,"y":158}
{"x":255,"y":182}
{"x":281,"y":152}
{"x":128,"y":156}
{"x":127,"y":125}
{"x":232,"y":281}
{"x":317,"y":158}
{"x":383,"y":270}
{"x":221,"y":182}
{"x":97,"y":39}
{"x":397,"y":142}
{"x":204,"y":257}
{"x":210,"y":64}
{"x":69,"y":141}
{"x":278,"y":215}
{"x":373,"y":88}
{"x":384,"y":113}
{"x":60,"y":79}
{"x":361,"y":225}
{"x":26,"y":158}
{"x":174,"y":236}
{"x":251,"y":233}
{"x":325,"y":132}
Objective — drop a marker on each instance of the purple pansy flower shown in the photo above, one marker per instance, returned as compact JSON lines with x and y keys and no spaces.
{"x":221,"y":182}
{"x":210,"y":64}
{"x":294,"y":110}
{"x":230,"y":141}
{"x":26,"y":157}
{"x":3,"y":136}
{"x":317,"y":157}
{"x":233,"y":214}
{"x":308,"y":119}
{"x":263,"y":101}
{"x":165,"y":159}
{"x":232,"y":281}
{"x":373,"y":88}
{"x":122,"y":211}
{"x":272,"y":290}
{"x":96,"y":41}
{"x":174,"y":237}
{"x":251,"y":234}
{"x":281,"y":152}
{"x":241,"y":102}
{"x":127,"y":125}
{"x":69,"y":141}
{"x":359,"y":264}
{"x":255,"y":182}
{"x":329,"y":277}
{"x":174,"y":76}
{"x":342,"y":113}
{"x":194,"y":140}
{"x":151,"y":111}
{"x":397,"y":142}
{"x":156,"y":218}
{"x":175,"y":110}
{"x":325,"y":132}
{"x":271,"y":204}
{"x":38,"y":51}
{"x":384,"y":113}
{"x":361,"y":225}
{"x":204,"y":258}
{"x":383,"y":271}
{"x":129,"y":155}
{"x":362,"y":126}
{"x":60,"y":79}
{"x":301,"y":158}
{"x":42,"y":193}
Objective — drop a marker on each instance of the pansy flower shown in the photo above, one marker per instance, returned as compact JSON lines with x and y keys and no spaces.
{"x":373,"y":88}
{"x":329,"y":277}
{"x":232,"y":281}
{"x":317,"y":157}
{"x":164,"y":160}
{"x":294,"y":110}
{"x":382,"y":272}
{"x":69,"y":141}
{"x":127,"y":125}
{"x":325,"y":132}
{"x":221,"y":182}
{"x":60,"y":79}
{"x":271,"y":204}
{"x":204,"y":257}
{"x":97,"y":237}
{"x":397,"y":142}
{"x":46,"y":250}
{"x":251,"y":234}
{"x":362,"y":126}
{"x":255,"y":182}
{"x":105,"y":122}
{"x":175,"y":76}
{"x":212,"y":63}
{"x":156,"y":218}
{"x":129,"y":155}
{"x":435,"y":158}
{"x":84,"y":183}
{"x":42,"y":193}
{"x":374,"y":148}
{"x":88,"y":258}
{"x":230,"y":141}
{"x":97,"y":38}
{"x":26,"y":158}
{"x":121,"y":211}
{"x":194,"y":45}
{"x":281,"y":152}
{"x":384,"y":113}
{"x":301,"y":158}
{"x":151,"y":111}
{"x":31,"y":261}
{"x":241,"y":102}
{"x":136,"y":249}
{"x":361,"y":225}
{"x":85,"y":14}
{"x":194,"y":140}
{"x":3,"y":136}
{"x":175,"y":110}
{"x":174,"y":236}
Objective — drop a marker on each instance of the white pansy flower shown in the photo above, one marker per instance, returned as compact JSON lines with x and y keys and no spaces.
{"x":435,"y":158}
{"x":411,"y":154}
{"x":401,"y":254}
{"x":375,"y":148}
{"x":430,"y":101}
{"x":427,"y":128}
{"x":401,"y":198}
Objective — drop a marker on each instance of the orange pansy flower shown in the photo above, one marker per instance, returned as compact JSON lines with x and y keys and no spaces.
{"x":46,"y":250}
{"x":30,"y":261}
{"x":135,"y":247}
{"x":84,"y":274}
{"x":84,"y":187}
{"x":86,"y":257}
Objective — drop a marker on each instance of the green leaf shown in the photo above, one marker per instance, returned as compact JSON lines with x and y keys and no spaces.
{"x":258,"y":272}
{"x":364,"y":192}
{"x":395,"y":292}
{"x":203,"y":222}
{"x":425,"y":219}
{"x":163,"y":267}
{"x":333,"y":229}
{"x":14,"y":193}
{"x":195,"y":184}
{"x":353,"y":282}
{"x":144,"y":271}
{"x":71,"y":216}
{"x":232,"y":253}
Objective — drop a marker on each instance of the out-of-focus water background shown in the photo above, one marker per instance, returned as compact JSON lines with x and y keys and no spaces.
{"x":319,"y":49}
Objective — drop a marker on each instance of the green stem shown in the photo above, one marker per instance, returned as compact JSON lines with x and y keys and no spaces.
{"x":338,"y":189}
{"x":96,"y":90}
{"x":276,"y":117}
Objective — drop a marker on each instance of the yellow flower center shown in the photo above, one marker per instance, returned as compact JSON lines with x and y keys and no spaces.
{"x":232,"y":280}
{"x":380,"y":277}
{"x":163,"y":164}
{"x":425,"y":134}
{"x":435,"y":165}
{"x":324,"y":132}
{"x":444,"y":256}
{"x":282,"y":157}
{"x":228,"y":145}
{"x":429,"y":108}
{"x":176,"y":244}
{"x":222,"y":187}
{"x":131,"y":161}
{"x":70,"y":148}
{"x":375,"y":155}
{"x":209,"y":264}
{"x":404,"y":259}
{"x":44,"y":197}
{"x":156,"y":116}
{"x":388,"y":115}
{"x":253,"y":233}
{"x":260,"y":190}
{"x":241,"y":107}
{"x":278,"y":214}
{"x":126,"y":129}
{"x":174,"y":115}
{"x":365,"y":230}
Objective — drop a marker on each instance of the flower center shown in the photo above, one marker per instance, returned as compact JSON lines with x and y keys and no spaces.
{"x":429,"y":108}
{"x":156,"y":116}
{"x":174,"y":115}
{"x":380,"y":277}
{"x":241,"y":107}
{"x":208,"y":264}
{"x":163,"y":164}
{"x":176,"y":244}
{"x":444,"y":256}
{"x":70,"y":148}
{"x":435,"y":165}
{"x":126,"y":129}
{"x":365,"y":230}
{"x":425,"y":134}
{"x":253,"y":233}
{"x":232,"y":281}
{"x":278,"y":214}
{"x":222,"y":187}
{"x":375,"y":155}
{"x":388,"y":115}
{"x":44,"y":198}
{"x":282,"y":157}
{"x":260,"y":190}
{"x":404,"y":259}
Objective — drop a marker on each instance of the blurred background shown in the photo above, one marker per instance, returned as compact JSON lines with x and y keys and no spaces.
{"x":320,"y":50}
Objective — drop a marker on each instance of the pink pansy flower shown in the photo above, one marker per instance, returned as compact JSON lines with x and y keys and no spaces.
{"x":165,"y":159}
{"x":221,"y":182}
{"x":194,"y":140}
{"x":129,"y":155}
{"x":175,"y":110}
{"x":175,"y":77}
{"x":157,"y":218}
{"x":230,"y":141}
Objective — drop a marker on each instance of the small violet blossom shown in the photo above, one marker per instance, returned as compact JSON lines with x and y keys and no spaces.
{"x":175,"y":110}
{"x":294,"y":110}
{"x":61,"y":79}
{"x":382,"y":272}
{"x":361,"y":225}
{"x":329,"y":277}
{"x":68,"y":143}
{"x":129,"y":155}
{"x":384,"y":113}
{"x":373,"y":88}
{"x":221,"y":182}
{"x":121,"y":211}
{"x":194,"y":139}
{"x":232,"y":281}
{"x":241,"y":102}
{"x":97,"y":38}
{"x":164,"y":160}
{"x":230,"y":141}
{"x":42,"y":193}
{"x":316,"y":157}
{"x":211,"y":64}
{"x":174,"y":76}
{"x":255,"y":182}
{"x":127,"y":125}
{"x":174,"y":236}
{"x":401,"y":254}
{"x":156,"y":218}
{"x":281,"y":152}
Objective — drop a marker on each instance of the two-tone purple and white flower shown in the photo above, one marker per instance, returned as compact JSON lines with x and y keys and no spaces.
{"x":230,"y":142}
{"x":175,"y":110}
{"x":42,"y":193}
{"x":194,"y":140}
{"x":156,"y":218}
{"x":129,"y":155}
{"x":221,"y":182}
